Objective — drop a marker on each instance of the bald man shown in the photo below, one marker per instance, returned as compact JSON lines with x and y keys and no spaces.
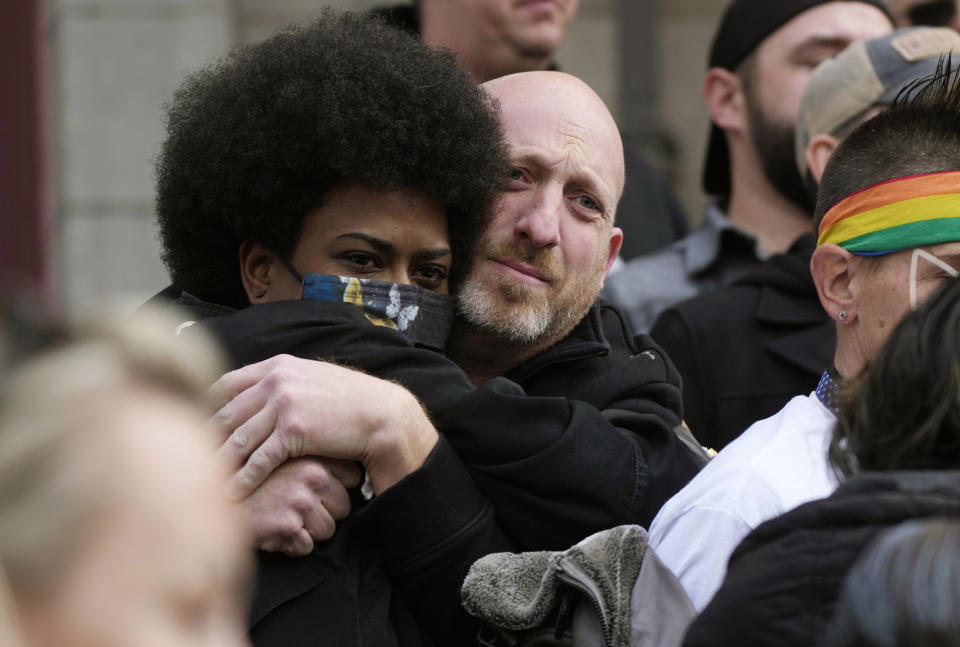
{"x":542,"y":261}
{"x":571,"y":427}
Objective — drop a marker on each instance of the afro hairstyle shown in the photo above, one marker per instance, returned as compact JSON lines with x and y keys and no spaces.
{"x":256,"y":141}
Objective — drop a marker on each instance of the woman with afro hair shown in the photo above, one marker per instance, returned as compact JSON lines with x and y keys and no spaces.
{"x":343,"y":127}
{"x":318,"y":194}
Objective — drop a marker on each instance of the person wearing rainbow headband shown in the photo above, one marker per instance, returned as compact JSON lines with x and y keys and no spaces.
{"x":905,"y":231}
{"x":888,"y":227}
{"x":888,"y":218}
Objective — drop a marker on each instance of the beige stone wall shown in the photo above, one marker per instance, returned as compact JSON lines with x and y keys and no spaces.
{"x":685,"y":30}
{"x":116,"y":62}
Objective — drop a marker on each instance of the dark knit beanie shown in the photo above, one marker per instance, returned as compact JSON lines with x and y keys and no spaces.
{"x":746,"y":24}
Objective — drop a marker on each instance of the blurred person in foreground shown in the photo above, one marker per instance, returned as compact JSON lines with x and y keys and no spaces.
{"x":888,"y":235}
{"x":761,"y":58}
{"x":494,"y":38}
{"x":897,"y":445}
{"x":114,"y":530}
{"x":903,"y":590}
{"x":768,"y":329}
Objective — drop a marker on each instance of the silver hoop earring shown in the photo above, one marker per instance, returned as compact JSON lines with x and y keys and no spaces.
{"x":842,"y":315}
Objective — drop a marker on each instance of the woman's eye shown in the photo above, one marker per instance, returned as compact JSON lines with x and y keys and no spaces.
{"x":362,"y":261}
{"x":430,"y":276}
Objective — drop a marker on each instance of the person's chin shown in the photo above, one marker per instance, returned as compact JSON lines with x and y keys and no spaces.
{"x":539,"y":40}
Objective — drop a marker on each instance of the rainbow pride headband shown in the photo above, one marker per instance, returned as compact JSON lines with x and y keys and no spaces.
{"x":897,"y":214}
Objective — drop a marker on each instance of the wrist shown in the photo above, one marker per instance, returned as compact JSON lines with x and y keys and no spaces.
{"x":400,"y":442}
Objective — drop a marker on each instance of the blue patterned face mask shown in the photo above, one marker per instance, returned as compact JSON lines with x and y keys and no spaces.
{"x":424,"y":316}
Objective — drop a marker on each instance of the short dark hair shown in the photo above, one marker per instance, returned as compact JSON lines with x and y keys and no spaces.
{"x":256,"y":141}
{"x":918,"y":133}
{"x":903,"y":411}
{"x":904,"y":589}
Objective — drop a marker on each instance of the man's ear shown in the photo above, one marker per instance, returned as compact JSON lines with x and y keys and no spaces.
{"x":616,"y":241}
{"x":723,"y":93}
{"x":832,"y":268}
{"x":256,"y":270}
{"x":818,"y":151}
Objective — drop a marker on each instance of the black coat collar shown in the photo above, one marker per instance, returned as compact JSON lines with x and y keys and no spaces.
{"x":587,"y":339}
{"x":788,"y":299}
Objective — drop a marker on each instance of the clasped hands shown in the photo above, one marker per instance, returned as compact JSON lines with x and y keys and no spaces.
{"x":295,"y":434}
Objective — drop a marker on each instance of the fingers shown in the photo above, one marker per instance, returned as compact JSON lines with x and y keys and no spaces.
{"x":298,"y":544}
{"x":319,"y":524}
{"x":265,"y":458}
{"x":322,"y":498}
{"x":250,"y":434}
{"x":346,"y":472}
{"x":245,"y":391}
{"x":236,"y":382}
{"x":299,"y":503}
{"x":287,"y":407}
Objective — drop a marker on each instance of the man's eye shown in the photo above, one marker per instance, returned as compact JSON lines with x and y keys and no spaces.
{"x":514,"y":174}
{"x":588,"y":203}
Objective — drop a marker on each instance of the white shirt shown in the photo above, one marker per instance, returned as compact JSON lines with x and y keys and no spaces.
{"x":774,"y":466}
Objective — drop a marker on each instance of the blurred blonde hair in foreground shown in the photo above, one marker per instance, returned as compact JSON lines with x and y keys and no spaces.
{"x":114,"y":529}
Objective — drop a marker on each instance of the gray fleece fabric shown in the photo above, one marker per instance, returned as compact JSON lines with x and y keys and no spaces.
{"x":520,"y":591}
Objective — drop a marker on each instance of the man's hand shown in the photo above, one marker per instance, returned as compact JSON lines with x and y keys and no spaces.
{"x":299,"y":504}
{"x":286,"y":407}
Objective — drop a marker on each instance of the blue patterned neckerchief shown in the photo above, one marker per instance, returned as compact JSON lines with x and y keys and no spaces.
{"x":424,"y":316}
{"x":828,"y":390}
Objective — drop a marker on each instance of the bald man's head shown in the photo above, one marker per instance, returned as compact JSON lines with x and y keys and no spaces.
{"x":542,"y":261}
{"x":560,"y":101}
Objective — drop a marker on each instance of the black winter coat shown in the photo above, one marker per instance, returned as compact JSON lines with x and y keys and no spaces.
{"x":745,"y":350}
{"x":580,"y":440}
{"x":784,"y":579}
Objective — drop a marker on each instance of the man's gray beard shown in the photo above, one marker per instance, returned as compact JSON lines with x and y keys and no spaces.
{"x":523,"y":321}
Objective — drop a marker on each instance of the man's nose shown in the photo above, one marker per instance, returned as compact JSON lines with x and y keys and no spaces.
{"x":540,"y":223}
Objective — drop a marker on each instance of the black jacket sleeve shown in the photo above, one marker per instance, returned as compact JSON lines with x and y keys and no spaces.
{"x":674,"y":333}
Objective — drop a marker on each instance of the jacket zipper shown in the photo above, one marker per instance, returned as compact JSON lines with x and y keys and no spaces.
{"x":569,"y":580}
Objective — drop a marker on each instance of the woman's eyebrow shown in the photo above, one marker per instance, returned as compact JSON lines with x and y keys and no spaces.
{"x":379,"y":244}
{"x":386,"y":247}
{"x":432,"y":254}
